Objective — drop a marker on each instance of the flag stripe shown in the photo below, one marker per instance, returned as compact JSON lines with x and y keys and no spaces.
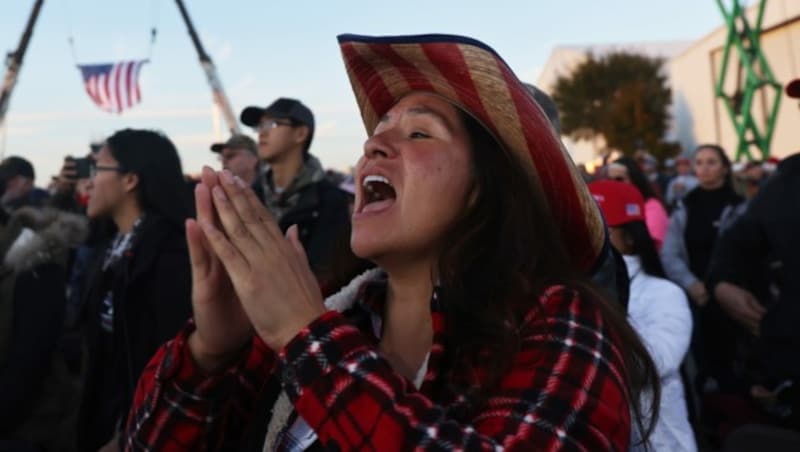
{"x":118,"y":80}
{"x":128,"y":86}
{"x":102,"y":84}
{"x":114,"y":87}
{"x":137,"y":96}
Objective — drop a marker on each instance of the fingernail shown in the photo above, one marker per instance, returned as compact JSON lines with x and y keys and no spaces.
{"x":239,"y":182}
{"x":219,"y":194}
{"x":227,"y":177}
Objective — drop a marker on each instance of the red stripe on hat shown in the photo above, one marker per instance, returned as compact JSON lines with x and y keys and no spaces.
{"x":553,"y":171}
{"x":449,"y":60}
{"x":378,"y":95}
{"x":415,"y":79}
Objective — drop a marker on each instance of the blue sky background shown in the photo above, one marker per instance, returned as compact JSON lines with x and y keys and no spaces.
{"x":267,"y":49}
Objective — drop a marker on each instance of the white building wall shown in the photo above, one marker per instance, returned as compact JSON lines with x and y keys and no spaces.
{"x":700,"y":117}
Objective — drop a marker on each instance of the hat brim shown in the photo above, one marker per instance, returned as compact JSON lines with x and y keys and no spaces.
{"x":473,"y":77}
{"x":793,"y":88}
{"x":251,"y":116}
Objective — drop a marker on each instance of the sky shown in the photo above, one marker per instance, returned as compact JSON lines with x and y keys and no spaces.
{"x":268,"y":49}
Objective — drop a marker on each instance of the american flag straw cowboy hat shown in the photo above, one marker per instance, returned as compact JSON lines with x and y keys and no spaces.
{"x":473,"y":77}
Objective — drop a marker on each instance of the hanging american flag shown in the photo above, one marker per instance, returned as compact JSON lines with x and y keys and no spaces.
{"x":113,"y":87}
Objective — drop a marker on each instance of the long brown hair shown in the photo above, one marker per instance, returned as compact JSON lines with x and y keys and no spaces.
{"x":498,"y":258}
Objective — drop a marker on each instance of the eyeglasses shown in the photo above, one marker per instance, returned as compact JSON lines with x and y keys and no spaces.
{"x":269,"y":124}
{"x":94,"y":169}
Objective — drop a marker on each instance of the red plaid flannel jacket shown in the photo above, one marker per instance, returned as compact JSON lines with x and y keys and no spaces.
{"x":565,"y":391}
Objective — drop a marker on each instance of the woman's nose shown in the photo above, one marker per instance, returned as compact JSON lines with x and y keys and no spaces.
{"x":379,"y":145}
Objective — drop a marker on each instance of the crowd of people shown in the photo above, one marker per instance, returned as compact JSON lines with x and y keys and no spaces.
{"x":467,"y":288}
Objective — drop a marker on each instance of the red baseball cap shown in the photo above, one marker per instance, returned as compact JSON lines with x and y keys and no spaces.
{"x":620,"y":202}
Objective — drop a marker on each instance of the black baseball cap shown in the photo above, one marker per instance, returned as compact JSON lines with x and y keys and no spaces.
{"x":283,"y":108}
{"x":16,"y":166}
{"x":237,"y":142}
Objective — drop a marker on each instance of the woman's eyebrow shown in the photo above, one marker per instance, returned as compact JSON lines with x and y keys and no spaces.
{"x":428,"y":111}
{"x":421,"y":111}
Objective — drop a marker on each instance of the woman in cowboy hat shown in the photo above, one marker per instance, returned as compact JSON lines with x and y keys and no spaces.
{"x":479,"y":329}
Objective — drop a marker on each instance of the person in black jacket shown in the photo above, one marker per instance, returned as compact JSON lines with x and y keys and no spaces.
{"x":767,"y":233}
{"x":293,"y":184}
{"x":138,"y":288}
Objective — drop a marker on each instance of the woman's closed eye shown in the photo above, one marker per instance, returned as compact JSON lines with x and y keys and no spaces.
{"x":417,"y":134}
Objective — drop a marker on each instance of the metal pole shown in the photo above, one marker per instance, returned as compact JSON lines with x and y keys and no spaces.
{"x":211,"y":73}
{"x":14,"y":62}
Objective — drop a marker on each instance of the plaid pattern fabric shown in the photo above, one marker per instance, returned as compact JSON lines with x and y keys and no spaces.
{"x":566,"y":389}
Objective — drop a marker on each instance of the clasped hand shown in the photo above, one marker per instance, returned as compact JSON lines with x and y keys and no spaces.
{"x":246,"y":276}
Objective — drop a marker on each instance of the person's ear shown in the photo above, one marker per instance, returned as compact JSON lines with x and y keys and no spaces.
{"x":301,"y":134}
{"x":130,"y":181}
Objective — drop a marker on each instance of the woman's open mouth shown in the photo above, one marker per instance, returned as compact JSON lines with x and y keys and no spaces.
{"x":379,"y":194}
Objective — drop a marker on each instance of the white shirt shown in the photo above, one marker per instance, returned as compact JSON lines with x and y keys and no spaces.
{"x":659,"y":311}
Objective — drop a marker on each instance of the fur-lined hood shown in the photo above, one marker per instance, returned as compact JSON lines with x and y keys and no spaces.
{"x":38,"y":235}
{"x":341,"y":301}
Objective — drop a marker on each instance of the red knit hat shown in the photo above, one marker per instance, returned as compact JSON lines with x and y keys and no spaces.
{"x":620,"y":202}
{"x":473,"y":77}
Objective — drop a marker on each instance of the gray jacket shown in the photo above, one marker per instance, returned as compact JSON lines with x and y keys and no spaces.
{"x":675,"y":256}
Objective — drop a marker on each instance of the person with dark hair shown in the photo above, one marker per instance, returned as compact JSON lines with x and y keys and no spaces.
{"x":138,"y":289}
{"x":648,"y":165}
{"x":294,"y":185}
{"x":480,"y":328}
{"x":657,"y":309}
{"x":18,"y":178}
{"x":625,"y":169}
{"x":693,"y":231}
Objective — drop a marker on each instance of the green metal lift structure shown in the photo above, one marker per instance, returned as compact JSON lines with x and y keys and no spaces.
{"x":753,"y":76}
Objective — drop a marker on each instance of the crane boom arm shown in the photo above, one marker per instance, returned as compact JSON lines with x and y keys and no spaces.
{"x":14,"y":61}
{"x":218,"y":93}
